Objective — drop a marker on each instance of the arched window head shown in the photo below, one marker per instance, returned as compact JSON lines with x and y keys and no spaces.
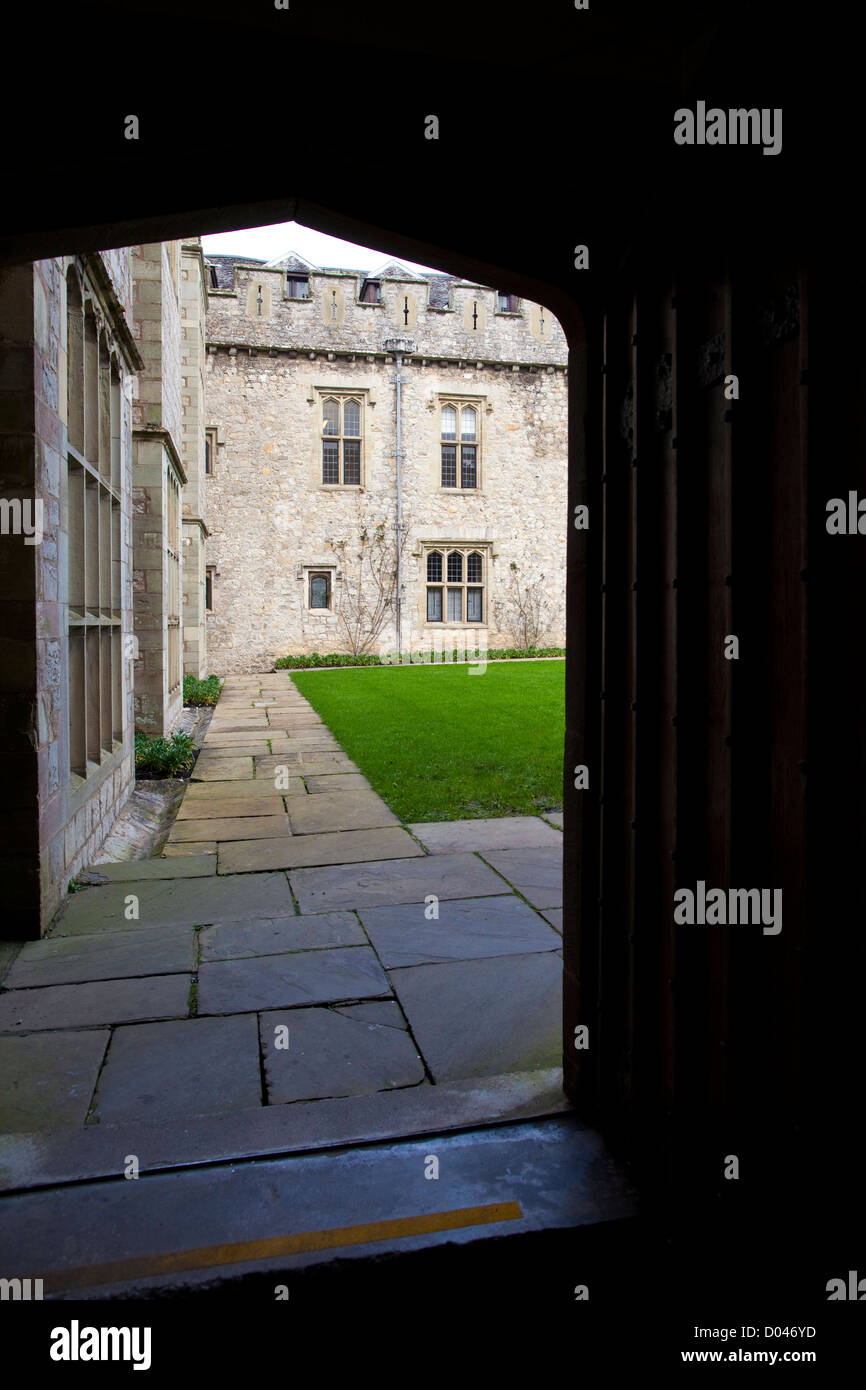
{"x":455,"y":567}
{"x":352,"y":419}
{"x":331,"y":418}
{"x":474,"y":567}
{"x":434,"y":567}
{"x":468,"y":421}
{"x":449,"y":422}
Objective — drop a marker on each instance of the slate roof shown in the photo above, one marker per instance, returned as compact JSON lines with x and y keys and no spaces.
{"x":439,"y":284}
{"x":225,"y":268}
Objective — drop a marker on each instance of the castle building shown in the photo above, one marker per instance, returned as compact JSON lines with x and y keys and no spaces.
{"x":211,"y":462}
{"x":387,"y":463}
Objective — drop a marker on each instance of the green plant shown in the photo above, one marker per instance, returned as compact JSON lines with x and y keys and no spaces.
{"x":306,"y":663}
{"x":201,"y":692}
{"x":163,"y":757}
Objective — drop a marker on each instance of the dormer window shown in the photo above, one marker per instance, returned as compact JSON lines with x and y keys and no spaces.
{"x":298,"y":286}
{"x":371,"y":292}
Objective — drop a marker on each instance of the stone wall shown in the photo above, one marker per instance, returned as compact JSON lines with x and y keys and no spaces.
{"x":158,"y":477}
{"x":193,"y":311}
{"x":271,"y":519}
{"x":54,"y":820}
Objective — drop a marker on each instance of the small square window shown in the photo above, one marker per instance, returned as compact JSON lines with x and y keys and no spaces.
{"x":298,"y":286}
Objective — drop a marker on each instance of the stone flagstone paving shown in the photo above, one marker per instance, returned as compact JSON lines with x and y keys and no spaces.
{"x":292,"y":943}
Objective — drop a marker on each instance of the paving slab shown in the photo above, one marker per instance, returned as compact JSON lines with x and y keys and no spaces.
{"x":485,"y":1017}
{"x":231,"y":828}
{"x":180,"y":902}
{"x":61,"y":960}
{"x":278,"y":981}
{"x":313,"y":766}
{"x":46,"y":1081}
{"x":194,"y":867}
{"x":270,"y":936}
{"x":337,"y":782}
{"x":536,"y":873}
{"x":225,"y":743}
{"x":193,"y":1066}
{"x":467,"y":928}
{"x":394,"y":881}
{"x":337,"y":1052}
{"x":200,"y":793}
{"x":89,"y":1005}
{"x":350,"y":810}
{"x":303,"y":851}
{"x":554,"y":917}
{"x":506,"y":832}
{"x":209,"y":769}
{"x":230,"y":808}
{"x":176,"y":849}
{"x":234,"y":750}
{"x":311,"y":760}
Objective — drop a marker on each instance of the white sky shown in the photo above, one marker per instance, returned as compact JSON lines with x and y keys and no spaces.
{"x":269,"y":243}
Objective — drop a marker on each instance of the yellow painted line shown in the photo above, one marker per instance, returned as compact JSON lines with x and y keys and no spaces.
{"x":209,"y":1256}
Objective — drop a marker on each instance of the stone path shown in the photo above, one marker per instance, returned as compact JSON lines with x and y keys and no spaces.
{"x":293,"y":943}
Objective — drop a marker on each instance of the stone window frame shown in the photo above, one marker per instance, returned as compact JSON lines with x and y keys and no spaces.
{"x":458,"y":401}
{"x":319,"y":395}
{"x":293,"y":279}
{"x":211,"y":441}
{"x":446,"y":548}
{"x":93,"y":514}
{"x":509,"y":313}
{"x":376,"y":303}
{"x":209,"y":576}
{"x":330,"y":570}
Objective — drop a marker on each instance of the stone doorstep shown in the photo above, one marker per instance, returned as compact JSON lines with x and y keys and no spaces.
{"x":86,"y":1153}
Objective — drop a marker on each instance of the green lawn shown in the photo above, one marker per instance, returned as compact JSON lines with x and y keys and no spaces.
{"x":439,"y":743}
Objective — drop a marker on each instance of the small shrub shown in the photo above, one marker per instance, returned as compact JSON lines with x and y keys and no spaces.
{"x":300,"y":663}
{"x":163,"y":757}
{"x":205,"y":692}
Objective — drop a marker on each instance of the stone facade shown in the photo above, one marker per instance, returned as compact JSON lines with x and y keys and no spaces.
{"x":66,"y":385}
{"x":100,"y":402}
{"x":158,"y":479}
{"x":194,"y":444}
{"x":276,"y":359}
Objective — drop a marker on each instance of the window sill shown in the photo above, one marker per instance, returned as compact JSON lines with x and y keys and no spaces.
{"x":461,"y":491}
{"x":341,"y":487}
